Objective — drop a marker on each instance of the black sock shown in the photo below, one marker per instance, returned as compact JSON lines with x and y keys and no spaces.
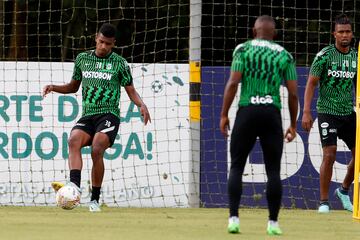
{"x":75,"y":176}
{"x":95,"y":193}
{"x":344,"y":191}
{"x":324,"y":202}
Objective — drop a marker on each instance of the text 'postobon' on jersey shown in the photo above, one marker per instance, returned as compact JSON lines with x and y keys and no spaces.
{"x":337,"y":72}
{"x":101,"y":80}
{"x":264,"y":65}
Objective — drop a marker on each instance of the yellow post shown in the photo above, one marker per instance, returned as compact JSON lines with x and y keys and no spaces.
{"x":195,"y":81}
{"x":356,"y":213}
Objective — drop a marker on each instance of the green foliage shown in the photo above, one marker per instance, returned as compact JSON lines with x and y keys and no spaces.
{"x":42,"y":30}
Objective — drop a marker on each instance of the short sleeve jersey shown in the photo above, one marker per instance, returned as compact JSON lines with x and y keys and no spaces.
{"x":264,"y":66}
{"x":101,"y":79}
{"x":337,"y":73}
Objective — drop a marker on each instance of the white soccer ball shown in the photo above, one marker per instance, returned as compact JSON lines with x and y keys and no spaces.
{"x":68,"y":197}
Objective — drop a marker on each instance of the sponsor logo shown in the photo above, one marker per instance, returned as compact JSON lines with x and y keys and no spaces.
{"x":324,"y":125}
{"x":96,"y":75}
{"x":261,"y":100}
{"x":342,"y":74}
{"x":332,"y":130}
{"x":324,"y":132}
{"x":267,"y":44}
{"x":80,"y":124}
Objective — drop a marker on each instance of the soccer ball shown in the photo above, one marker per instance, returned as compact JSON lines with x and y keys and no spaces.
{"x":68,"y":197}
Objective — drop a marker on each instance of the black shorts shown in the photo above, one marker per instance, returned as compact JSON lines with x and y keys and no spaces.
{"x":332,"y":126}
{"x":106,"y":123}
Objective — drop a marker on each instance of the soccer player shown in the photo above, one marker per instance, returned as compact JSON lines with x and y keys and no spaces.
{"x":261,"y":65}
{"x":102,"y":73}
{"x":334,"y":67}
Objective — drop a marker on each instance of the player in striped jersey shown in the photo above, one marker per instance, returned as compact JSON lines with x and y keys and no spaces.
{"x":261,"y":65}
{"x":334,"y":67}
{"x":102,"y":73}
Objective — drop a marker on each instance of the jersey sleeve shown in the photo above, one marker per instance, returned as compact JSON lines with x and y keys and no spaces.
{"x":290,"y":70}
{"x":77,"y":70}
{"x":125,"y":75}
{"x":318,"y":64}
{"x":237,"y":64}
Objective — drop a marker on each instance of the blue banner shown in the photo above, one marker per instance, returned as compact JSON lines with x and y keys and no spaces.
{"x":300,"y":189}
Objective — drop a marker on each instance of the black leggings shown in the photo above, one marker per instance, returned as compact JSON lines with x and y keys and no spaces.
{"x":252,"y":122}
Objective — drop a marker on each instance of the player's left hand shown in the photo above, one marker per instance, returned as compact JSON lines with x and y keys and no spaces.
{"x":145,"y":114}
{"x":290,"y":134}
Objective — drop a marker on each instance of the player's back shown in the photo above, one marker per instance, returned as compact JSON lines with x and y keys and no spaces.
{"x":263,"y":65}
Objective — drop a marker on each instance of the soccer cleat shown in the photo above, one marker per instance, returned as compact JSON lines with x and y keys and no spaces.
{"x":57,"y":185}
{"x":94,"y":206}
{"x":324,"y":208}
{"x":273,"y":228}
{"x":234,"y":225}
{"x":345,"y":200}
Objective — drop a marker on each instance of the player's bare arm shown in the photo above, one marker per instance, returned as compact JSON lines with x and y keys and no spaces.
{"x":71,"y":87}
{"x":307,"y":120}
{"x":293,"y":101}
{"x":134,"y":96}
{"x":229,"y":94}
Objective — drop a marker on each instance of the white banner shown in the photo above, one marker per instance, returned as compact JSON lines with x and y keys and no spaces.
{"x":148,"y":166}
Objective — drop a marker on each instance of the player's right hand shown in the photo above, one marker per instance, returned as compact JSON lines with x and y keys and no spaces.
{"x":307,"y":121}
{"x":46,"y":90}
{"x":290,"y":134}
{"x":224,"y":126}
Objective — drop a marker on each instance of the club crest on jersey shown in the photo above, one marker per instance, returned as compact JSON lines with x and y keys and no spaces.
{"x":353,"y":64}
{"x":108,"y":66}
{"x":261,"y":100}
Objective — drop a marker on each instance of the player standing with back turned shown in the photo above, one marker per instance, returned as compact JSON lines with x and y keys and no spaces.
{"x":261,"y":65}
{"x":334,"y":67}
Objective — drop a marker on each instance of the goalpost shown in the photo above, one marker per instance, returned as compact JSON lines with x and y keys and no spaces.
{"x":356,"y":213}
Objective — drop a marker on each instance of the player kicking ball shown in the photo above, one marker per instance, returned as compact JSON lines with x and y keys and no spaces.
{"x":102,"y":73}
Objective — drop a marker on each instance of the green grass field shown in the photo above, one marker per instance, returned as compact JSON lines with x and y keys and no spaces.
{"x":52,"y":223}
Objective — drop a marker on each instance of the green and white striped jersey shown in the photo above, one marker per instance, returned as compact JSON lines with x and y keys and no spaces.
{"x":337,"y":73}
{"x":264,"y":66}
{"x":101,"y":80}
